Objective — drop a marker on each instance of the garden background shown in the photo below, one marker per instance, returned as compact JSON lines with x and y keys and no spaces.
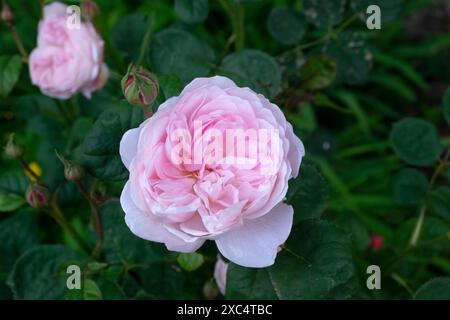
{"x":371,"y":106}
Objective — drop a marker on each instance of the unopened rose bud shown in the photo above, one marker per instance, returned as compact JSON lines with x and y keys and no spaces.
{"x":89,"y":10}
{"x":72,"y":170}
{"x":13,"y":149}
{"x":376,"y":242}
{"x":7,"y":15}
{"x":140,"y":86}
{"x":210,"y":290}
{"x":38,"y":196}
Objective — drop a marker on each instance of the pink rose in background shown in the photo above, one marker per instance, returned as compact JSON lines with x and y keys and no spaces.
{"x":66,"y":60}
{"x":220,"y":274}
{"x":238,"y":205}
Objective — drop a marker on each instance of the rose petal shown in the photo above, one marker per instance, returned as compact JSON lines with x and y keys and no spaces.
{"x":255,"y":243}
{"x":128,"y":146}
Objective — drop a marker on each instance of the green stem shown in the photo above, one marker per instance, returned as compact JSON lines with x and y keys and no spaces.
{"x":96,"y":217}
{"x":418,"y":228}
{"x":237,"y":17}
{"x":402,"y":282}
{"x":62,"y":112}
{"x":330,"y":34}
{"x":27,"y":168}
{"x":145,"y":44}
{"x":58,"y":216}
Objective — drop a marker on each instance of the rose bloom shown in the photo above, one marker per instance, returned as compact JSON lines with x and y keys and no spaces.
{"x":66,"y":61}
{"x":220,"y":274}
{"x":183,"y":203}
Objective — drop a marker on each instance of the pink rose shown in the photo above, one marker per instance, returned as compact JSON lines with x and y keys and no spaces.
{"x":220,"y":274}
{"x":189,"y":182}
{"x":67,"y":60}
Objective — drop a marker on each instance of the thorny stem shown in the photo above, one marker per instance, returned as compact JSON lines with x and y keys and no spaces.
{"x":27,"y":168}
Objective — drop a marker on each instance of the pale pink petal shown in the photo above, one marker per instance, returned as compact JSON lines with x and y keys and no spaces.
{"x":220,"y":274}
{"x":219,"y":81}
{"x":128,"y":146}
{"x":255,"y":243}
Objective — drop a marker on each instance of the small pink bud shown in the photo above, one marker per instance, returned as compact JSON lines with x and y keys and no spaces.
{"x":38,"y":196}
{"x":7,"y":15}
{"x":376,"y":242}
{"x":140,"y":87}
{"x":89,"y":10}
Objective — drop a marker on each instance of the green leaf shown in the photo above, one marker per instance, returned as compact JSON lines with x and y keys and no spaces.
{"x":254,"y":69}
{"x":190,"y":261}
{"x":415,"y":141}
{"x":162,"y":281}
{"x":18,"y":233}
{"x":10,"y":67}
{"x":409,"y":186}
{"x":439,"y":202}
{"x":435,"y":289}
{"x":101,"y":145}
{"x":169,"y":86}
{"x":324,"y":14}
{"x":316,"y":264}
{"x":432,"y":229}
{"x":120,"y":245}
{"x":128,"y":34}
{"x":285,"y":25}
{"x":192,"y":11}
{"x":10,"y":202}
{"x":14,"y":182}
{"x":446,"y":106}
{"x":357,"y":230}
{"x":318,"y":72}
{"x":91,"y":291}
{"x":40,"y":273}
{"x":307,"y":203}
{"x":389,"y":8}
{"x":353,"y":57}
{"x":178,"y":52}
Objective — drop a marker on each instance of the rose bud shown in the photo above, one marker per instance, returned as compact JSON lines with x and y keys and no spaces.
{"x":12,"y":149}
{"x":210,"y":290}
{"x":376,"y":242}
{"x":7,"y":15}
{"x":89,"y":10}
{"x":72,"y":170}
{"x":213,"y":164}
{"x":38,"y":196}
{"x":140,"y":87}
